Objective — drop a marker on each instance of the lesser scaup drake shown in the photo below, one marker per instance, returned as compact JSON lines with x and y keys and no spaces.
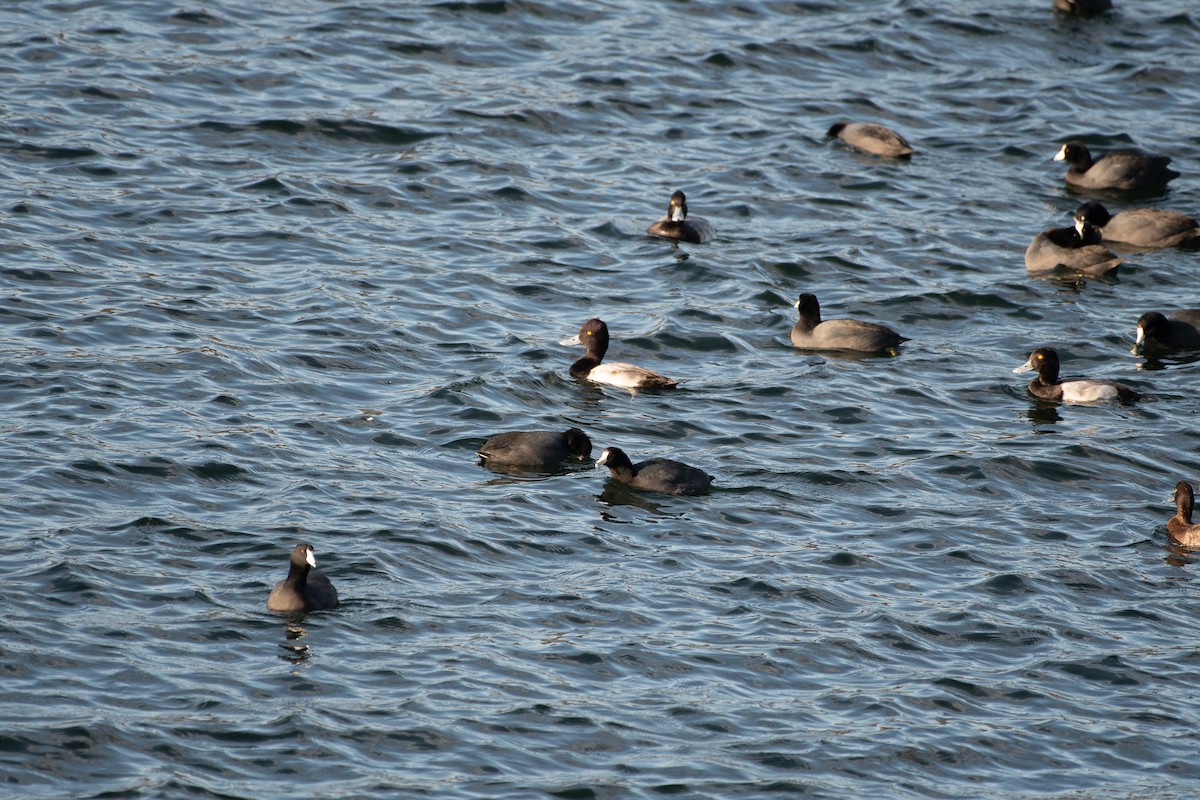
{"x":676,"y":225}
{"x":871,"y":138}
{"x":655,"y":474}
{"x":593,"y":335}
{"x":1142,"y":227}
{"x":1076,"y":250}
{"x":1180,"y":331}
{"x":1046,"y":386}
{"x":1083,"y":8}
{"x":530,"y":448}
{"x":1118,"y":169}
{"x":1180,"y":526}
{"x":304,"y":589}
{"x":810,"y":333}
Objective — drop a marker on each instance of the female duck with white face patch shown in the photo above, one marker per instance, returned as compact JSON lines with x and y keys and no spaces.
{"x":1047,"y":386}
{"x":676,"y":225}
{"x":593,"y":335}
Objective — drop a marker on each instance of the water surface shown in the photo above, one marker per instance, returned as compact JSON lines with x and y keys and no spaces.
{"x":272,"y":272}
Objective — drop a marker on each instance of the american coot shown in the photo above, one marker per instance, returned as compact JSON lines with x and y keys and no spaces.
{"x":871,"y":138}
{"x":655,"y":474}
{"x":1143,"y":227}
{"x":676,"y":225}
{"x":810,"y":333}
{"x":1083,"y":8}
{"x":1046,"y":385}
{"x":593,"y":335}
{"x":1119,"y":169}
{"x":530,"y":448}
{"x":1180,"y":331}
{"x":304,"y":589}
{"x":1077,"y":250}
{"x":1180,"y":526}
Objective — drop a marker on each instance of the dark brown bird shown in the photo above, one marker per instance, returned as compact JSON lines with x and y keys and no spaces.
{"x":1181,"y":526}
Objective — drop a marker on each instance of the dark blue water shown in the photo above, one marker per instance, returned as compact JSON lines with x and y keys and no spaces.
{"x":271,"y":272}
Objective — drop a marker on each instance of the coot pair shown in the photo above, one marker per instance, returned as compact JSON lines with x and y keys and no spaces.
{"x":1074,"y":250}
{"x":529,"y":448}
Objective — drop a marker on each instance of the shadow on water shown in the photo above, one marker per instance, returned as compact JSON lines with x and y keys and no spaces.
{"x":507,"y":474}
{"x":295,"y":651}
{"x":1043,"y":413}
{"x":616,"y":493}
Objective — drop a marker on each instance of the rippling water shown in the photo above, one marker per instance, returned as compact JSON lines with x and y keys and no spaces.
{"x":272,"y":272}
